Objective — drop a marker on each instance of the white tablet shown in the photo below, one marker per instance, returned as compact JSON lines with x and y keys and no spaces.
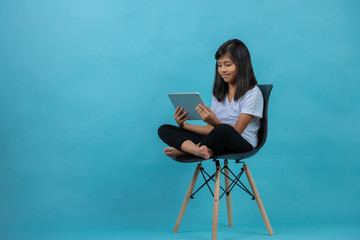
{"x":188,"y":101}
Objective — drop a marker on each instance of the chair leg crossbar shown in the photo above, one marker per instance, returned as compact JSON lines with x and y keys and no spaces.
{"x":228,"y":189}
{"x":235,"y":180}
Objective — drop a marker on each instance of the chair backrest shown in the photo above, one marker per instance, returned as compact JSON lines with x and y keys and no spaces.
{"x":262,"y":134}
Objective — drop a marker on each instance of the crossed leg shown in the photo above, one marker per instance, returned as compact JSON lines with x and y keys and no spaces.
{"x":173,"y":152}
{"x":188,"y":147}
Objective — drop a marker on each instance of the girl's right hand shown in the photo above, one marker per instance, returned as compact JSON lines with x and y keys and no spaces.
{"x":180,"y":117}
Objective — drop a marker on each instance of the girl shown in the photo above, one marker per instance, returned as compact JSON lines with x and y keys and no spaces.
{"x":234,"y":117}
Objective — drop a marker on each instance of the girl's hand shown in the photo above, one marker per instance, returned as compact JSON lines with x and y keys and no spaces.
{"x":180,"y":117}
{"x":207,"y":115}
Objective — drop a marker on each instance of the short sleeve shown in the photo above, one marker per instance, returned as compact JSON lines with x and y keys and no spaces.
{"x":253,"y":102}
{"x":213,"y":103}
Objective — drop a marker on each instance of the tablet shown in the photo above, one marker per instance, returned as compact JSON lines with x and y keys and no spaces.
{"x":188,"y":101}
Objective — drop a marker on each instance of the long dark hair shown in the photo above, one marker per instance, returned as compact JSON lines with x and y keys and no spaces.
{"x":239,"y":54}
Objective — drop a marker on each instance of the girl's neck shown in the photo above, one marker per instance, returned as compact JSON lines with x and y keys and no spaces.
{"x":232,"y":89}
{"x":231,"y":92}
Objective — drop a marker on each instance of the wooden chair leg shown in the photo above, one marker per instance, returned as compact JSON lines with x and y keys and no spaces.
{"x":216,"y":200}
{"x":258,"y":200}
{"x":187,"y":197}
{"x":228,"y":196}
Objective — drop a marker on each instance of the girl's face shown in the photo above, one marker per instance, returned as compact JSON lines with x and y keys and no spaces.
{"x":227,"y":69}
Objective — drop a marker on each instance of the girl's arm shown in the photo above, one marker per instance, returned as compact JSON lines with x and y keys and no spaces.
{"x":242,"y":122}
{"x":210,"y":118}
{"x":204,"y":130}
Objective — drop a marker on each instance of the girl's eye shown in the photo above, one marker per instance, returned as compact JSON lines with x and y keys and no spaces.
{"x":228,"y":65}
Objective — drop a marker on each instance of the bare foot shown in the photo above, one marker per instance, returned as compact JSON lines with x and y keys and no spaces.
{"x":206,"y":152}
{"x":173,"y":152}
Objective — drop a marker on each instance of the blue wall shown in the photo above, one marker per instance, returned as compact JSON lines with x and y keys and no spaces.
{"x":83,"y":88}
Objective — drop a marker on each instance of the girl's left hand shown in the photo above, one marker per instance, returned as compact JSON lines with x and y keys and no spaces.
{"x":207,"y":115}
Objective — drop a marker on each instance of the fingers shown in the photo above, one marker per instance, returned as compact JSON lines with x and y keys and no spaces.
{"x":199,"y":108}
{"x":183,"y":115}
{"x":183,"y":119}
{"x":180,"y":116}
{"x":202,"y":109}
{"x":207,"y":115}
{"x":178,"y":112}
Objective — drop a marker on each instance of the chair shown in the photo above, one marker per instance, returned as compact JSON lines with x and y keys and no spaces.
{"x":235,"y":179}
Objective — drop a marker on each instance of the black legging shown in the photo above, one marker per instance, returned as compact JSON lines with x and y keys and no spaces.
{"x":222,"y":139}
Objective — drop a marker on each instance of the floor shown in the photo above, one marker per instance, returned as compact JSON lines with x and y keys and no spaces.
{"x":318,"y":232}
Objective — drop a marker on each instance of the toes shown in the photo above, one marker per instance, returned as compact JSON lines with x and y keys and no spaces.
{"x":205,"y":152}
{"x":168,"y":149}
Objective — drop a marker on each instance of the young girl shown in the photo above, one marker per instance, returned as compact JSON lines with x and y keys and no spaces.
{"x":234,"y":117}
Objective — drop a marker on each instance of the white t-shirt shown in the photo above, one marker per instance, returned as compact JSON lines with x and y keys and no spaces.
{"x":251,"y":103}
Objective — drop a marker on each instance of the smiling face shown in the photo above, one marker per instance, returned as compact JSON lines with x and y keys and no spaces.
{"x":227,"y":69}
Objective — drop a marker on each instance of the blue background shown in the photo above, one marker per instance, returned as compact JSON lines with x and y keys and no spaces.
{"x":83,"y":89}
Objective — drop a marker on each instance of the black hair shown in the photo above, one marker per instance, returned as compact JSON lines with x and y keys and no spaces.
{"x":239,"y":54}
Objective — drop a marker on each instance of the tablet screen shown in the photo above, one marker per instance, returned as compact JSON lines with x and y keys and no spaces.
{"x":188,"y":101}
